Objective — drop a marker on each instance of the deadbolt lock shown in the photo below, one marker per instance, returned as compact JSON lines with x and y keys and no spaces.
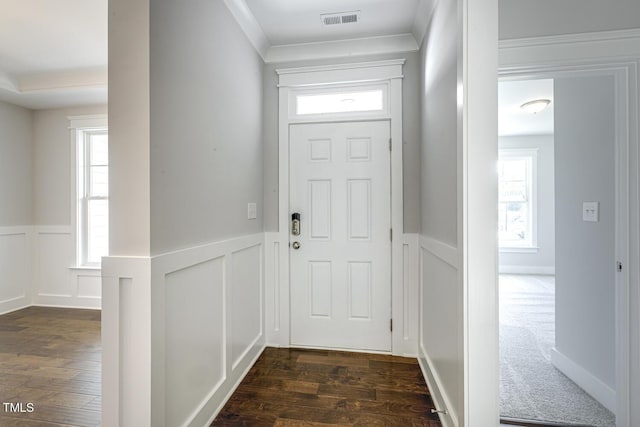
{"x":295,"y":245}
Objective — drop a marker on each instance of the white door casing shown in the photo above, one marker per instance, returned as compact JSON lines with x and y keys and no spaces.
{"x":340,"y":281}
{"x":302,"y":80}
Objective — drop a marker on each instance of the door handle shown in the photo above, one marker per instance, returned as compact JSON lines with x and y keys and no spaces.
{"x":295,"y":245}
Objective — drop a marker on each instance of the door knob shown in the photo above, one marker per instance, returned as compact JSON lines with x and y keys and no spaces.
{"x":295,"y":245}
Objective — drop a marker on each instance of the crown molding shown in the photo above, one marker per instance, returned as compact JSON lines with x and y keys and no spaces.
{"x":598,"y":36}
{"x":74,"y":79}
{"x":342,"y":48}
{"x":422,"y":19}
{"x":595,"y":47}
{"x":247,"y":21}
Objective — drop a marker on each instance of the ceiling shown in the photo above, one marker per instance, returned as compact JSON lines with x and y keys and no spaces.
{"x":53,"y":53}
{"x":293,"y":21}
{"x":512,"y":120}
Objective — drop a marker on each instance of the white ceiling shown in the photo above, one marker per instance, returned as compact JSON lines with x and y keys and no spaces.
{"x":512,"y":120}
{"x":53,"y":53}
{"x":294,"y":21}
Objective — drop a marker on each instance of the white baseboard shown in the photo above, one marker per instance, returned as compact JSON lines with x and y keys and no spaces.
{"x":527,"y":269}
{"x":438,"y":394}
{"x":589,"y":383}
{"x":235,"y":385}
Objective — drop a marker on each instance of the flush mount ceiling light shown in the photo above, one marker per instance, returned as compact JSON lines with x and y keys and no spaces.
{"x":536,"y":105}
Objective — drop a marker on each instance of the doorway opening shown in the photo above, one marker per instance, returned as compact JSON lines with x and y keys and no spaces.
{"x":557,"y":224}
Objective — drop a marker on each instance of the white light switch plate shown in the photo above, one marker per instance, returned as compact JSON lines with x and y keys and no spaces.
{"x":252,"y":211}
{"x":590,"y":211}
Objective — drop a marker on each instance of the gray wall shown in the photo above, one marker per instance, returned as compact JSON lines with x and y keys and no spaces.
{"x":524,"y":18}
{"x":411,"y":130}
{"x":585,"y":288}
{"x":206,"y":126}
{"x":442,"y":316}
{"x":51,"y":163}
{"x":542,"y":261}
{"x":16,"y":147}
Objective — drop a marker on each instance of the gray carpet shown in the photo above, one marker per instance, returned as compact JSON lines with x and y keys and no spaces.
{"x":531,"y":388}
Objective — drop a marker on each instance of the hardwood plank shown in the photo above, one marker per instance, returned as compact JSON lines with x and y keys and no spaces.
{"x":315,"y":388}
{"x":51,"y":357}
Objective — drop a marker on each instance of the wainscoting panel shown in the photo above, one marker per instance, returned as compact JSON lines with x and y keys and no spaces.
{"x":57,"y":282}
{"x":246,"y":302}
{"x":203,"y":308}
{"x":441,"y":327}
{"x":194,"y":337}
{"x":276,"y":255}
{"x":15,"y":268}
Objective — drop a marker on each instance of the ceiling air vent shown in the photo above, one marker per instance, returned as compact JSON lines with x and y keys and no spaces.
{"x":340,"y":18}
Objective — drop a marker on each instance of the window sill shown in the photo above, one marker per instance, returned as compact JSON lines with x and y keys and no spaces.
{"x":85,"y":268}
{"x":516,"y":250}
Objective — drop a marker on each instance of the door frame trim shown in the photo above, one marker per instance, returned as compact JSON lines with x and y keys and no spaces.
{"x":377,"y":72}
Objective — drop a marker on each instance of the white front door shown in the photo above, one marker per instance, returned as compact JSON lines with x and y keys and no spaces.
{"x":340,"y":184}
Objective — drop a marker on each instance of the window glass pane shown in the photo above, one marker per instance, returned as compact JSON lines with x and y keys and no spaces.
{"x":515,"y":226}
{"x":99,"y":149}
{"x":97,"y":230}
{"x":340,"y":102}
{"x":99,"y":181}
{"x":514,"y":223}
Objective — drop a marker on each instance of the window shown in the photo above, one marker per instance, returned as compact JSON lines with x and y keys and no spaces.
{"x":339,"y":101}
{"x":344,"y":102}
{"x":92,"y":190}
{"x":517,"y":198}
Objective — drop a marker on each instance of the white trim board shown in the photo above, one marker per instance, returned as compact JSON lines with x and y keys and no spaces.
{"x":589,"y":383}
{"x":440,"y":399}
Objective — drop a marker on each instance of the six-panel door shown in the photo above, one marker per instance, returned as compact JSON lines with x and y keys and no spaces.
{"x":340,"y":177}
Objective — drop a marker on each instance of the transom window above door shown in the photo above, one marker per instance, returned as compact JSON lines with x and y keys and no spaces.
{"x":336,"y":102}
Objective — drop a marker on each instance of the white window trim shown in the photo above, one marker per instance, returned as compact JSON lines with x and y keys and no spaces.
{"x":525,"y":154}
{"x":77,"y":124}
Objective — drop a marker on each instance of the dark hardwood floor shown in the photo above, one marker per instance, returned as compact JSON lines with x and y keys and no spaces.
{"x":50,"y":358}
{"x":292,"y":387}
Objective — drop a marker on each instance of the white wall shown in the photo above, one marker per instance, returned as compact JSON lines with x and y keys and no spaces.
{"x":16,"y":147}
{"x":15,"y":165}
{"x":441,"y":320}
{"x":458,"y":241}
{"x":585,"y":264}
{"x":542,"y":261}
{"x":55,"y":282}
{"x":521,"y":18}
{"x":410,"y":129}
{"x":206,"y":126}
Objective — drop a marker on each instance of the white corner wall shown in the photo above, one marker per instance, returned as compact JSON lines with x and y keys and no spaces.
{"x":16,"y":147}
{"x":183,"y":292}
{"x":458,"y":250}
